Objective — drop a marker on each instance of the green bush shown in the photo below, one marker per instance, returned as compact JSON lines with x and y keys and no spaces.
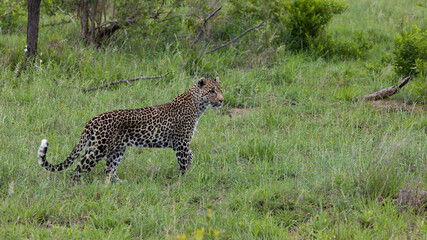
{"x":357,"y":47}
{"x":410,"y":52}
{"x":296,"y":21}
{"x":306,"y":19}
{"x":12,"y":14}
{"x":254,"y":10}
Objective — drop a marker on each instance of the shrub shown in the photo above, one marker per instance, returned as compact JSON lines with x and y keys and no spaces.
{"x":410,"y":52}
{"x":306,"y":19}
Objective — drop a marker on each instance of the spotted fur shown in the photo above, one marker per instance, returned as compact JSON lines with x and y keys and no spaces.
{"x":171,"y":125}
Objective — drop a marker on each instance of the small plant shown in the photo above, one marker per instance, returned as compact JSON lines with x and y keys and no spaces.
{"x":380,"y":177}
{"x":205,"y":232}
{"x":410,"y":52}
{"x":366,"y":219}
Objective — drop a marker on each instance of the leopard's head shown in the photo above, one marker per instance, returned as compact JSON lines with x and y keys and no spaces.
{"x":211,"y":91}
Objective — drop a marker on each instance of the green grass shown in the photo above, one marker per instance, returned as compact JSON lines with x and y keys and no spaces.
{"x":326,"y":168}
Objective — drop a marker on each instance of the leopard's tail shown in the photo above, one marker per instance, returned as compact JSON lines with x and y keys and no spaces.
{"x":70,"y":159}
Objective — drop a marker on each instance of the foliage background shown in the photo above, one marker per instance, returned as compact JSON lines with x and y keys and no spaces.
{"x":303,"y":161}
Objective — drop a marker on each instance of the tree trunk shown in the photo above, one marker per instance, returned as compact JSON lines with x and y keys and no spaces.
{"x":84,"y":19}
{"x":94,"y":31}
{"x":33,"y":27}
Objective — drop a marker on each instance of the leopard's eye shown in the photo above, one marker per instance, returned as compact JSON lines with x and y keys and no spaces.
{"x":212,"y":90}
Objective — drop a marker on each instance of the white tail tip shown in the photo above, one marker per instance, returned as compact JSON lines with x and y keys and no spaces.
{"x":42,"y":150}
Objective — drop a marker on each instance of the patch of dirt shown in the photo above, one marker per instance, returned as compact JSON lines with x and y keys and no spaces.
{"x":238,"y":112}
{"x":394,"y":106}
{"x":413,"y":197}
{"x":55,"y":45}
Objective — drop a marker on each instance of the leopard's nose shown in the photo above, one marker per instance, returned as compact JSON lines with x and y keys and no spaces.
{"x":221,"y":99}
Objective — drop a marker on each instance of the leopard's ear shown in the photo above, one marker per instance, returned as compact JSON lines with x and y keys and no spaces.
{"x":202,"y":82}
{"x":217,"y":80}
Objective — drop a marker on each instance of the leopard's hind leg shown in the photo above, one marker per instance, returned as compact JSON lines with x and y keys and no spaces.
{"x":113,"y":160}
{"x":93,"y":154}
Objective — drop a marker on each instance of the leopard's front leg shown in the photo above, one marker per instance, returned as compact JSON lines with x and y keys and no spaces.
{"x":184,"y":157}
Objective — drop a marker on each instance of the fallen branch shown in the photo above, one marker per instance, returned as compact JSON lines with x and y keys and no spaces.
{"x":235,"y":39}
{"x":107,"y":22}
{"x":124,"y":81}
{"x":104,"y":32}
{"x":57,"y":23}
{"x":384,"y":93}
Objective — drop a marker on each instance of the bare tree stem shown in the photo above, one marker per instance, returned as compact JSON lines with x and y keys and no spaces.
{"x":235,"y":39}
{"x":71,"y":18}
{"x":205,"y":21}
{"x":124,"y":81}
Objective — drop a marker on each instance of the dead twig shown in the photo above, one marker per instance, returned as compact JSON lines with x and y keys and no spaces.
{"x":384,"y":93}
{"x":235,"y":39}
{"x":5,"y":14}
{"x":57,"y":23}
{"x":164,"y":19}
{"x":159,"y":12}
{"x":124,"y":81}
{"x":71,"y":18}
{"x":203,"y":25}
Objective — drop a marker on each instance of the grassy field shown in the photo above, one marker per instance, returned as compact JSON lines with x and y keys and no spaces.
{"x":301,"y":161}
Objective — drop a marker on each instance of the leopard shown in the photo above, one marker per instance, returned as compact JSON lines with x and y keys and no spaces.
{"x":170,"y":125}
